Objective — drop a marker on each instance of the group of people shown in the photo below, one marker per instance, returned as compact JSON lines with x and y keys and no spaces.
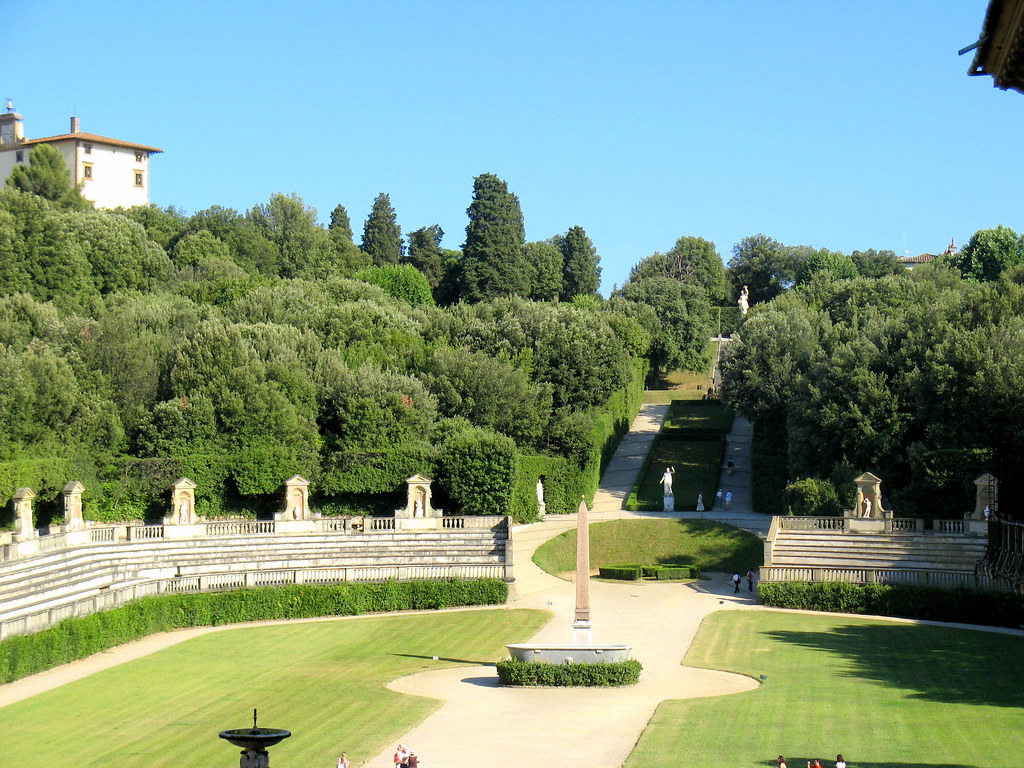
{"x":840,"y":762}
{"x":406,"y":758}
{"x":737,"y":580}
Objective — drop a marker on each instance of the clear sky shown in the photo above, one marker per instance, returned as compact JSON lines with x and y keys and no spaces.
{"x":839,"y":125}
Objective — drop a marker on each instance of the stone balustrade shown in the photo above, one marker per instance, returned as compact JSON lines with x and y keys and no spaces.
{"x":907,"y":576}
{"x":52,"y":541}
{"x":886,"y":524}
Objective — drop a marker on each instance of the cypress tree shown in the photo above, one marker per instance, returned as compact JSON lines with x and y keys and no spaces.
{"x":382,"y":237}
{"x":581,"y":275}
{"x":340,"y":227}
{"x":425,"y":253}
{"x":493,"y":258}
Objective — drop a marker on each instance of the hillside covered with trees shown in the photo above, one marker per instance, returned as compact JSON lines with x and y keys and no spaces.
{"x":237,"y":349}
{"x":917,"y":377}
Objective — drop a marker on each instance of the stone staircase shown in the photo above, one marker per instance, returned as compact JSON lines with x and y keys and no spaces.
{"x":878,"y":551}
{"x":50,"y":581}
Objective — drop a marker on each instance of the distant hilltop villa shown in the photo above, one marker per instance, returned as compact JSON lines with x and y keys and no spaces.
{"x":111,"y":172}
{"x":927,"y":258}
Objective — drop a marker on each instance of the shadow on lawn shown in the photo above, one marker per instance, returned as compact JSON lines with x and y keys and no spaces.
{"x":442,"y":658}
{"x":931,"y":663}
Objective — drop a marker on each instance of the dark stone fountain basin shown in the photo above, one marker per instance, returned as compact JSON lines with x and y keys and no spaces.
{"x":255,"y":738}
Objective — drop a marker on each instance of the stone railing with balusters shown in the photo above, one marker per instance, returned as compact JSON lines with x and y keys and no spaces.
{"x":907,"y":576}
{"x":50,"y":541}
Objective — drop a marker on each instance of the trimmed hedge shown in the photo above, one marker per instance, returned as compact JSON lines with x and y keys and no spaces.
{"x":614,"y":673}
{"x":78,"y":637}
{"x":965,"y":606}
{"x":665,"y":572}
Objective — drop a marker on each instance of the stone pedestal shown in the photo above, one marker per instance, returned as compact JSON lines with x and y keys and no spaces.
{"x":24,"y":526}
{"x":183,"y":503}
{"x":73,"y":520}
{"x":184,"y":531}
{"x":295,"y":526}
{"x":669,"y":504}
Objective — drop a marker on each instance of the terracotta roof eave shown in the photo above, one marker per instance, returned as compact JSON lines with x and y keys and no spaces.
{"x":91,"y":137}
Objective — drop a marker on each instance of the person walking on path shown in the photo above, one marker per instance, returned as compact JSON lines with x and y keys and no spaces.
{"x":718,"y":497}
{"x":700,"y":502}
{"x":728,"y":500}
{"x":736,"y":583}
{"x":750,"y":580}
{"x":730,"y":465}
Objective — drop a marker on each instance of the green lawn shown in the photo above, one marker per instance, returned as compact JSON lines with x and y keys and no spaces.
{"x":696,"y":463}
{"x":884,"y":694}
{"x":699,"y":415}
{"x":713,"y":546}
{"x":324,"y":681}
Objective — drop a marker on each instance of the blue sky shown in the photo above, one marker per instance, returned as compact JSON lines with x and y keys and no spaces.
{"x":839,"y":125}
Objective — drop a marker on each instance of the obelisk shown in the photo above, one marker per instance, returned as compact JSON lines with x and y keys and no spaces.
{"x":582,"y":630}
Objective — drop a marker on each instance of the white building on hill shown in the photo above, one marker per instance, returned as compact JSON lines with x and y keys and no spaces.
{"x":112,"y":172}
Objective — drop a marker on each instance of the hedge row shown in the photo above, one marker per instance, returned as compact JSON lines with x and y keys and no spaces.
{"x":614,"y":673}
{"x":966,"y":606}
{"x":76,"y":638}
{"x":667,"y":571}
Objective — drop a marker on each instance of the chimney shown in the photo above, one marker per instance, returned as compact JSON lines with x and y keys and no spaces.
{"x":74,"y":125}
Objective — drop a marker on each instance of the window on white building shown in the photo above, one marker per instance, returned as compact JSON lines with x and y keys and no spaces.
{"x":138,"y":179}
{"x":140,"y":157}
{"x":19,"y":156}
{"x":87,"y":148}
{"x":87,"y":170}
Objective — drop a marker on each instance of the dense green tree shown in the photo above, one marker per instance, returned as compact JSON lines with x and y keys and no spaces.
{"x":163,"y":225}
{"x":833,"y":264}
{"x":872,"y":263}
{"x":303,"y":247}
{"x":425,"y":253}
{"x":493,"y":257}
{"x":692,"y":260}
{"x":382,"y":237}
{"x":988,"y":253}
{"x":47,"y":176}
{"x":684,"y":325}
{"x":478,"y":470}
{"x":763,"y":265}
{"x":545,"y":260}
{"x":489,"y":392}
{"x":581,"y":273}
{"x":250,"y":249}
{"x":403,"y":281}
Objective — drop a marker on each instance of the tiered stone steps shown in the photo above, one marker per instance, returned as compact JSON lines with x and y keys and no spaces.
{"x":49,"y":580}
{"x":835,"y":549}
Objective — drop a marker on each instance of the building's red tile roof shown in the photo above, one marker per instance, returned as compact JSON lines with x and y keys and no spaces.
{"x":91,"y":137}
{"x":921,"y":258}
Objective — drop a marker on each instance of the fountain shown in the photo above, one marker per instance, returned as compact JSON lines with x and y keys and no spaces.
{"x":254,"y":743}
{"x":582,"y":648}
